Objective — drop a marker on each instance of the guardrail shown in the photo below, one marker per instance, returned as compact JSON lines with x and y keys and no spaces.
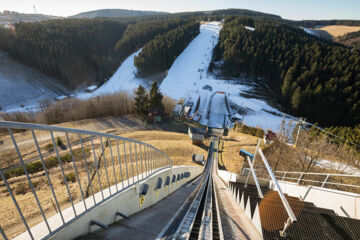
{"x":289,"y":211}
{"x":78,"y":168}
{"x":324,"y":180}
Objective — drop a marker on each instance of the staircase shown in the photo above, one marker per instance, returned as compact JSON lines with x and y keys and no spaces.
{"x":269,"y":215}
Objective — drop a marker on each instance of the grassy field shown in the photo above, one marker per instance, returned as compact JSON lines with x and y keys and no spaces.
{"x":333,"y":31}
{"x":229,"y":158}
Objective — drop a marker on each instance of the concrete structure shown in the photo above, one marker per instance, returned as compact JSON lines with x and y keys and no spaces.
{"x":127,"y":202}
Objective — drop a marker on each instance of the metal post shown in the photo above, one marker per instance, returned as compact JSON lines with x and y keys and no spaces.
{"x":62,"y":171}
{"x":87,"y":168}
{"x":47,"y":175}
{"x":126,"y":166}
{"x":145,"y":163}
{"x":15,"y":202}
{"x":255,"y":178}
{"x":28,"y":178}
{"x":283,"y":176}
{"x":3,"y":234}
{"x":281,"y":194}
{"x":253,"y":162}
{"x":137,"y":165}
{"x":131,"y":163}
{"x":112,"y":160}
{"x":121,"y":173}
{"x":76,"y":171}
{"x":325,"y":181}
{"x":141,"y":163}
{"x":105,"y":166}
{"x":299,"y":180}
{"x":97,"y":167}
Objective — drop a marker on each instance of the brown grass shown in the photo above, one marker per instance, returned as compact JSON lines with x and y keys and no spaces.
{"x":229,"y":158}
{"x":176,"y":145}
{"x":336,"y":30}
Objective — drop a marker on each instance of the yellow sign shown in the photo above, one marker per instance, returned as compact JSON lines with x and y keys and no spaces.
{"x":141,"y":200}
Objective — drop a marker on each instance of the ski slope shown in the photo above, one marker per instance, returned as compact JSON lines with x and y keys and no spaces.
{"x":188,"y":76}
{"x":124,"y":79}
{"x":21,"y":87}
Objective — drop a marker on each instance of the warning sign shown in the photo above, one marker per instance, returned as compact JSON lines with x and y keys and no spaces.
{"x":141,"y":200}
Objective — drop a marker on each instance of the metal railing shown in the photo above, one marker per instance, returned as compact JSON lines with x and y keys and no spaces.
{"x":60,"y":167}
{"x":292,"y":217}
{"x":318,"y":179}
{"x":300,"y":177}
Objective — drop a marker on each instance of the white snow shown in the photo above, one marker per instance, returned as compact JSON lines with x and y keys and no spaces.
{"x":188,"y":75}
{"x":308,"y":31}
{"x":250,"y":28}
{"x":21,"y":87}
{"x":342,"y":167}
{"x":91,"y":88}
{"x":124,"y":79}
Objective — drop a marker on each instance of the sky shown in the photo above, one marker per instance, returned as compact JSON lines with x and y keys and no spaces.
{"x":289,"y":9}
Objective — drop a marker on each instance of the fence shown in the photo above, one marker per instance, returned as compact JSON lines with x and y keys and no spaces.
{"x":343,"y":182}
{"x":55,"y":174}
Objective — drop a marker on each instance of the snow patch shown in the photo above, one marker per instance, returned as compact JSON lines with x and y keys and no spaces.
{"x":249,"y":28}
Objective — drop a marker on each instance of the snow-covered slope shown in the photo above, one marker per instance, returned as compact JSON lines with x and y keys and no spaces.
{"x":124,"y":79}
{"x":188,"y":76}
{"x":21,"y":87}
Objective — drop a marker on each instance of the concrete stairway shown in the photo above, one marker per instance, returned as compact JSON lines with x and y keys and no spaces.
{"x":269,"y":215}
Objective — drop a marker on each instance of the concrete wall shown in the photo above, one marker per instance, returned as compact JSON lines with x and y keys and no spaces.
{"x":343,"y":203}
{"x":126,"y":202}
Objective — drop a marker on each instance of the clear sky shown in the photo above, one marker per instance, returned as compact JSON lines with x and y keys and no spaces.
{"x":290,"y":9}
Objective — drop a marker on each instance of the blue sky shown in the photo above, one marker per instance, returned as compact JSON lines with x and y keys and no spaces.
{"x":290,"y":9}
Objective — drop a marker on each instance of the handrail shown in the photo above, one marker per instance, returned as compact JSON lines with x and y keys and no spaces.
{"x":316,"y":173}
{"x":129,"y":161}
{"x":33,"y":126}
{"x":280,"y":192}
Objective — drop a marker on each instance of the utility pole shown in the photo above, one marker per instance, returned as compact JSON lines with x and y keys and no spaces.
{"x":35,"y":9}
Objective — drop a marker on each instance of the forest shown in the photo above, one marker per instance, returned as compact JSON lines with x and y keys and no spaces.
{"x":158,"y":55}
{"x":312,"y":78}
{"x":136,"y":35}
{"x":71,"y":50}
{"x":78,"y":51}
{"x":351,"y":39}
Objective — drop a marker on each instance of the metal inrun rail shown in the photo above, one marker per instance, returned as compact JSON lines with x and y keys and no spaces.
{"x":103,"y":165}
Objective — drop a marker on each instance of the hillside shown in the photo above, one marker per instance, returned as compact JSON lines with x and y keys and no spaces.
{"x":116,"y":13}
{"x":23,"y":87}
{"x":15,"y":17}
{"x":311,"y":77}
{"x":333,"y":32}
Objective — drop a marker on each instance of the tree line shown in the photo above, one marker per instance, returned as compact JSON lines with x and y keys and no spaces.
{"x":351,"y":39}
{"x":159,"y":54}
{"x":311,"y":77}
{"x":77,"y":51}
{"x":137,"y":35}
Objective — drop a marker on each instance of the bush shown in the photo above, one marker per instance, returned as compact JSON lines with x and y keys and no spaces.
{"x":59,"y":142}
{"x":34,"y":167}
{"x":21,"y":188}
{"x":70,"y":177}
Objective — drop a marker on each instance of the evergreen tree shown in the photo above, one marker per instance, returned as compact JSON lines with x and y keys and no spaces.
{"x":155,"y":99}
{"x":141,"y":101}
